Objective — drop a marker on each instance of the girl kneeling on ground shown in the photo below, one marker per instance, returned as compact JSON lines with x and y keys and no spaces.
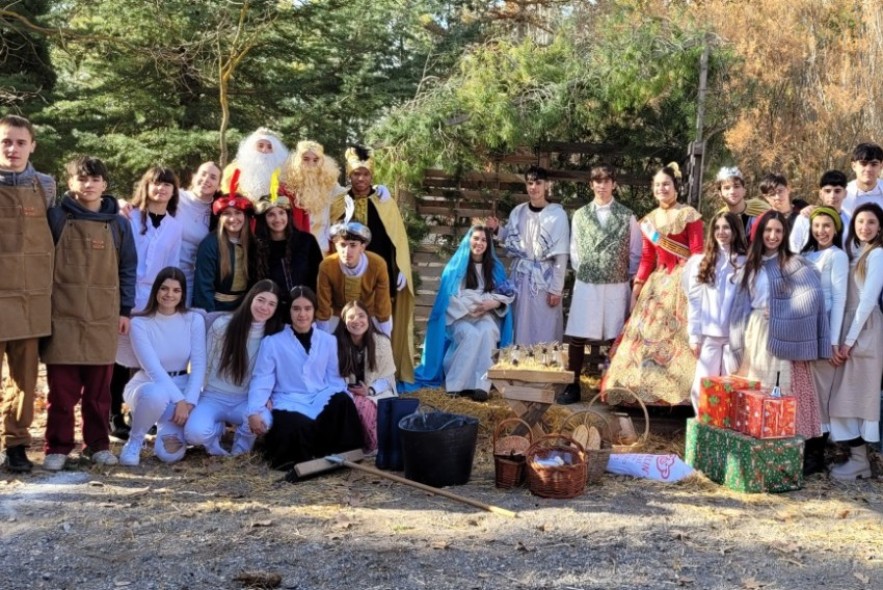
{"x":233,"y":343}
{"x":366,"y":362}
{"x":167,"y":338}
{"x":298,"y":371}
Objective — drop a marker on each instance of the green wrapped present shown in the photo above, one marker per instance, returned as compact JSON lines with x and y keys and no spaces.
{"x":743,"y":463}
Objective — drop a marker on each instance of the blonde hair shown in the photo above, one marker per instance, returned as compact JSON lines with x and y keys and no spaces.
{"x":312,"y":191}
{"x":225,"y":265}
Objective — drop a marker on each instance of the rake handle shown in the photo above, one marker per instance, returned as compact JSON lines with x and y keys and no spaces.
{"x":414,"y":484}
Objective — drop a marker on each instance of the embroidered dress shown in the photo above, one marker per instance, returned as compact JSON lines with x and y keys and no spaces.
{"x":537,"y":241}
{"x":653,"y":358}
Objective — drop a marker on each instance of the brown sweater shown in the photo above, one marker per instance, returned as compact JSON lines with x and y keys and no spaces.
{"x":335,"y":289}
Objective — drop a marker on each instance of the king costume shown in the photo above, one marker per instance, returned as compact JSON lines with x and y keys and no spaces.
{"x":390,"y":242}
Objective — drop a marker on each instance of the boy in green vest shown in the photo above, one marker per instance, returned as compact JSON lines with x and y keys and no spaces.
{"x":605,"y":249}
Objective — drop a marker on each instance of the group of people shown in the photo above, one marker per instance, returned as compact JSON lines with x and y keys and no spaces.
{"x":273,"y":299}
{"x":776,"y":290}
{"x":197,"y":307}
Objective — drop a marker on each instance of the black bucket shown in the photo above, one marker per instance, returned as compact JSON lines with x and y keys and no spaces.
{"x":438,"y":448}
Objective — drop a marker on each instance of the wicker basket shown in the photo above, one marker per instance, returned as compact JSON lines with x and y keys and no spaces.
{"x":556,"y":481}
{"x":596,"y":459}
{"x":509,"y":454}
{"x":620,"y":446}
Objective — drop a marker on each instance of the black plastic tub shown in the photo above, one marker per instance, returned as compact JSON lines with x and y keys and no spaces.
{"x":438,"y":448}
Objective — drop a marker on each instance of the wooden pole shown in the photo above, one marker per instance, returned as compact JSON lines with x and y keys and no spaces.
{"x":697,"y":147}
{"x":339,"y":460}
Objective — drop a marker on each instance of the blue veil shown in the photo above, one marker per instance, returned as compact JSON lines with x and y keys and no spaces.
{"x":430,"y":372}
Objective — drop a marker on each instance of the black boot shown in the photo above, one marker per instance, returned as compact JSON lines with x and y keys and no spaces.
{"x":814,"y":455}
{"x":479,"y":395}
{"x":569,"y":395}
{"x":384,"y":432}
{"x":17,"y":460}
{"x":119,"y":429}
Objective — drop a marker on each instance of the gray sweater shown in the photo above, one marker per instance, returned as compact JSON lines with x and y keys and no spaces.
{"x":798,"y":323}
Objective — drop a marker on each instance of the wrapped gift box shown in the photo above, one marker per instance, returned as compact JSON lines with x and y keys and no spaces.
{"x":715,"y":398}
{"x":757,"y":414}
{"x":743,"y":463}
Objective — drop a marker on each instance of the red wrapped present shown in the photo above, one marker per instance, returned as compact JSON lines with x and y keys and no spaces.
{"x":715,"y":403}
{"x":758,"y":414}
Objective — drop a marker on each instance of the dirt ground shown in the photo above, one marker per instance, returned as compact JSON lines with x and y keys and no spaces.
{"x":199,"y":524}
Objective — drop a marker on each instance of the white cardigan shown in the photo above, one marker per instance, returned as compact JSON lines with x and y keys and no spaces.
{"x":708,"y":306}
{"x":833,"y":266}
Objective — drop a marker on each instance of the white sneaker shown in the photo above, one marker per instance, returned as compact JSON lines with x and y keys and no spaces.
{"x":104,"y":458}
{"x":54,"y":462}
{"x":131,"y":453}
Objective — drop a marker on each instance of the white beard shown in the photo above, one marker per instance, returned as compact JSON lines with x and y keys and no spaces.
{"x":256,"y":172}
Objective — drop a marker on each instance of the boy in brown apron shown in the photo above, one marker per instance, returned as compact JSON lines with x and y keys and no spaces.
{"x":93,"y":292}
{"x":26,"y":256}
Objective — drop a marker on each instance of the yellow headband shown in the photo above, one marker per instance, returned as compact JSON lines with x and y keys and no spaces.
{"x":356,"y":160}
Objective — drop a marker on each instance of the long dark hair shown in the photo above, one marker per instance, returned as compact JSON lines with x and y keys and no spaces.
{"x":737,"y":246}
{"x":169,"y":272}
{"x":262,"y":243}
{"x":234,"y":353}
{"x":861,"y":267}
{"x":812,"y":244}
{"x":346,"y":348}
{"x":487,"y":263}
{"x":756,"y":249}
{"x":141,"y":198}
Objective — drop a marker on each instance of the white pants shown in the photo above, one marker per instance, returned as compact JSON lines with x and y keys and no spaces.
{"x":153,"y":404}
{"x":209,"y":418}
{"x":715,"y":359}
{"x":473,"y":341}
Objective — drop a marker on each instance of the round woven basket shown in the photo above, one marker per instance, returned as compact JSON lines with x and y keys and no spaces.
{"x":596,"y":459}
{"x":509,"y":454}
{"x":566,"y":480}
{"x":618,"y":446}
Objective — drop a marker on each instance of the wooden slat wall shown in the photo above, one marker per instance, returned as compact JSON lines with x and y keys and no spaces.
{"x":449,"y":203}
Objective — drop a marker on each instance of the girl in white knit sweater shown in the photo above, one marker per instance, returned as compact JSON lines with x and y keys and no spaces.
{"x":233,"y":343}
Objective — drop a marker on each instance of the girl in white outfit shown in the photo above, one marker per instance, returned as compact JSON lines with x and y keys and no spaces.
{"x":823,"y":251}
{"x":711,"y":288}
{"x":854,"y":404}
{"x":233,"y":343}
{"x":167,"y":338}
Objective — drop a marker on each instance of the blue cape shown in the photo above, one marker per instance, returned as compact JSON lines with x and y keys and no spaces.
{"x":430,"y":372}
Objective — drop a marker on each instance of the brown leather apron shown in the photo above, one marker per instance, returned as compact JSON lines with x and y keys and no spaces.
{"x":85,"y":296}
{"x":26,"y":254}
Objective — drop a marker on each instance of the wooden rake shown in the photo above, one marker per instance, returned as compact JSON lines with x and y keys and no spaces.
{"x":349,"y":458}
